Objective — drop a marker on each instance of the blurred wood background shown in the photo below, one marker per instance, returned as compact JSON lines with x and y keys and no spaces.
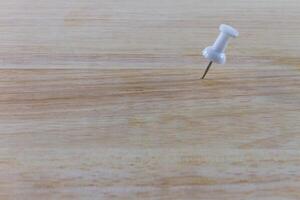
{"x":102,"y":99}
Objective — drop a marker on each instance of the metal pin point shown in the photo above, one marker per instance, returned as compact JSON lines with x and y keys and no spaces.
{"x":216,"y":53}
{"x":207,"y":68}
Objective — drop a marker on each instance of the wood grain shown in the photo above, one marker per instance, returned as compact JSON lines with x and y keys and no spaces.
{"x":103,"y":100}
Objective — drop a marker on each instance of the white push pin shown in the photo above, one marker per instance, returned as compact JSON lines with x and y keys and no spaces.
{"x":216,"y":53}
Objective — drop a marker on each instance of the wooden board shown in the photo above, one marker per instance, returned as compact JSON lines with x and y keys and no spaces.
{"x":103,"y":100}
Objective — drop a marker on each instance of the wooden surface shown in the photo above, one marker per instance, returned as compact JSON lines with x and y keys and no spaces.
{"x":101,"y":99}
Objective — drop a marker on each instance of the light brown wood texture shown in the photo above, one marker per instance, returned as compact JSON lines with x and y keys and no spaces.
{"x":102,"y":99}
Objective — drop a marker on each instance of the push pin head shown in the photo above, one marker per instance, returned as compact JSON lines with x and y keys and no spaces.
{"x":216,"y":53}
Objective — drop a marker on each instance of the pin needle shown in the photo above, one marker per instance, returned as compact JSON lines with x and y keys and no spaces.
{"x":207,"y":68}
